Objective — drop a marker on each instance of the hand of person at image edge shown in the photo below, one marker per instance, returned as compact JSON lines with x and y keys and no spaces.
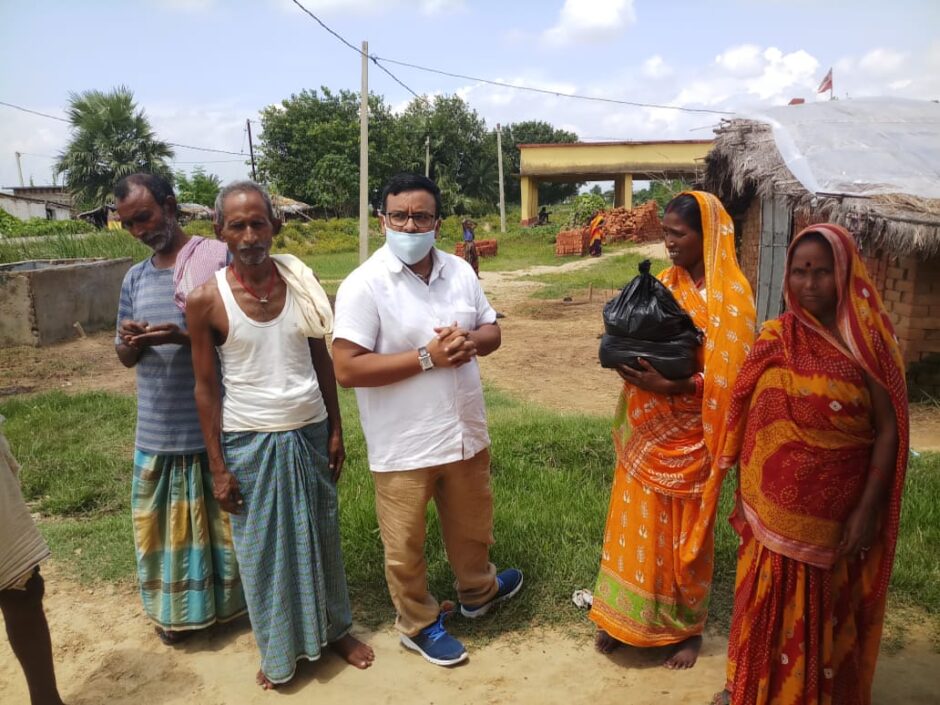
{"x":650,"y":380}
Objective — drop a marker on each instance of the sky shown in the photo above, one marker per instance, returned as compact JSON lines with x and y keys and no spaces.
{"x":200,"y":68}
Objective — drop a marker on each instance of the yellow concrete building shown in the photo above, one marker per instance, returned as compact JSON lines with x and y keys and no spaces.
{"x":604,"y":161}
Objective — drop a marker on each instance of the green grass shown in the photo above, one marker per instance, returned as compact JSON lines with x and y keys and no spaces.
{"x":109,"y":244}
{"x":551,"y":480}
{"x":612,"y":272}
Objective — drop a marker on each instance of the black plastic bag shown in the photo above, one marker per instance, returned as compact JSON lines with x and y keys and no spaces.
{"x":645,"y":320}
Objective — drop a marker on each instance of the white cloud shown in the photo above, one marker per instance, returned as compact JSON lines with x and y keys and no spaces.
{"x":741,"y":60}
{"x":782,"y":73}
{"x":882,"y":62}
{"x":590,"y":20}
{"x":656,"y":67}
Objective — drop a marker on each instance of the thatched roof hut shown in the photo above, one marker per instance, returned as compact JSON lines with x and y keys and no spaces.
{"x":745,"y":163}
{"x":872,"y":166}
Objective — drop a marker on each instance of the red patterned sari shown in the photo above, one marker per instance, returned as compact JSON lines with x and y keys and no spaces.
{"x":806,"y":625}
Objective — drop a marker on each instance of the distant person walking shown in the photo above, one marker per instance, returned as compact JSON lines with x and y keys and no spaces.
{"x":470,"y":246}
{"x":186,"y":563}
{"x":596,"y":235}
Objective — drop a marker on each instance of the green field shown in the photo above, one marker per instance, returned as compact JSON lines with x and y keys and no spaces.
{"x":551,"y":478}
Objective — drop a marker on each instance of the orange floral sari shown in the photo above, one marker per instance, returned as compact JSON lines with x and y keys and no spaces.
{"x":656,"y":562}
{"x":807,"y":624}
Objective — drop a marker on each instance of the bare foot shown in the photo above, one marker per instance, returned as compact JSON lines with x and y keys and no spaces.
{"x":171,"y":638}
{"x":263,"y":681}
{"x":605,"y":643}
{"x":685,"y":654}
{"x":355,"y":652}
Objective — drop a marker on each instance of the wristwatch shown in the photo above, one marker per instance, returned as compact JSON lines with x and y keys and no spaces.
{"x":424,"y":359}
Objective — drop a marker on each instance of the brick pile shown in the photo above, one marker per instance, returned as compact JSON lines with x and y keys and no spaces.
{"x":647,"y":225}
{"x":485,"y":248}
{"x":571,"y":242}
{"x":641,"y":224}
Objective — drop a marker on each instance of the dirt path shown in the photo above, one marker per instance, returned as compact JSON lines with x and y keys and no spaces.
{"x":105,"y":652}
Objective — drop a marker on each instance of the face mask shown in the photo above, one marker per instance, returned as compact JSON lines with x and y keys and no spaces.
{"x":409,"y":247}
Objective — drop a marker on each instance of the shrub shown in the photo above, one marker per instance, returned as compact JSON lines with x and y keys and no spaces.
{"x":585,"y":206}
{"x":11,"y":226}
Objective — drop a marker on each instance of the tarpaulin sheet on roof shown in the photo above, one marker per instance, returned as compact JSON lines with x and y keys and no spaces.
{"x":860,"y":147}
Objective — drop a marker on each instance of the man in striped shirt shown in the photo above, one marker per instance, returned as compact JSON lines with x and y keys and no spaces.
{"x":186,"y":563}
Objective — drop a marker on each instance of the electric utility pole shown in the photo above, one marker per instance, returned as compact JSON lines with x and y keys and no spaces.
{"x":364,"y":158}
{"x":251,"y":151}
{"x":502,"y":193}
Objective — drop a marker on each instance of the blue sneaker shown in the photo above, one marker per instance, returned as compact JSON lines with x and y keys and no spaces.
{"x":436,"y":645}
{"x":509,"y":582}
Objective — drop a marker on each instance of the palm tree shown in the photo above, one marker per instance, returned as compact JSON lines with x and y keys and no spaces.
{"x":111,"y":138}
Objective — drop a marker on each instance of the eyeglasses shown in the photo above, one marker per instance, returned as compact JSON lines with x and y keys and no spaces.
{"x":399,"y":219}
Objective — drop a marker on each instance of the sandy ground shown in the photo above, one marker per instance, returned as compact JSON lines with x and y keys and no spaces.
{"x":105,"y":650}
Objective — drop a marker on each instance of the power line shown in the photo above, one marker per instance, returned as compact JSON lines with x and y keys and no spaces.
{"x":561,"y":94}
{"x":356,"y":49}
{"x":172,"y":144}
{"x":546,"y":91}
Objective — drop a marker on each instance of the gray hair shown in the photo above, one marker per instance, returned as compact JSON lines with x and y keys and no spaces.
{"x":244,"y":186}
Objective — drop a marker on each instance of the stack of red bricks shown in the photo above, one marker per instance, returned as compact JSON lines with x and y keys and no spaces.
{"x":641,"y":224}
{"x":647,"y":225}
{"x":571,"y":242}
{"x":485,"y":248}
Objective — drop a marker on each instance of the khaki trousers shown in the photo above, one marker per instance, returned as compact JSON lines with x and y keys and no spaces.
{"x":461,"y":491}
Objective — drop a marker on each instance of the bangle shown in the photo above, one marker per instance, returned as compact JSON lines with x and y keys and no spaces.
{"x":698,"y":380}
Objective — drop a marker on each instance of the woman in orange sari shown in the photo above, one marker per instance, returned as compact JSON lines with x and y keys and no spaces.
{"x":820,"y":431}
{"x":656,"y":563}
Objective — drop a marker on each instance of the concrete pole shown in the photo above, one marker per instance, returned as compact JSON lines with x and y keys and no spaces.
{"x":19,"y":167}
{"x":502,"y":192}
{"x":364,"y":158}
{"x":427,"y":156}
{"x":251,"y":151}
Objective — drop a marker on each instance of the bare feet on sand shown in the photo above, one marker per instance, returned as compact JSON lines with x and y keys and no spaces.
{"x":263,"y":681}
{"x":605,"y":643}
{"x":353,"y":651}
{"x":685,"y":654}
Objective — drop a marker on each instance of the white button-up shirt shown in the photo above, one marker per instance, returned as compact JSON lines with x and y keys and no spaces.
{"x":434,"y":417}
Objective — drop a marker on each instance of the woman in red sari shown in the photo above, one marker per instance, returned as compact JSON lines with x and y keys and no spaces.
{"x":820,"y":431}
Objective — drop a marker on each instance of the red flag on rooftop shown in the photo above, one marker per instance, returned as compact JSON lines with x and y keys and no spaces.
{"x":826,"y":84}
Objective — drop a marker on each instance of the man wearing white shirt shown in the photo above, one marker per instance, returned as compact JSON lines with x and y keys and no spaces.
{"x":410,"y":322}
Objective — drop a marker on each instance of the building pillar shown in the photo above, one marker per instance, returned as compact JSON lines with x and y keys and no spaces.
{"x":530,"y":200}
{"x":623,"y":191}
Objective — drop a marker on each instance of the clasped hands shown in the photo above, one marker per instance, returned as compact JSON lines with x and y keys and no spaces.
{"x":452,"y":346}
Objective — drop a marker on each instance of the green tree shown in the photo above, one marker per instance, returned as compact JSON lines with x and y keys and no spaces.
{"x":310,"y":148}
{"x":111,"y":138}
{"x":463,"y":151}
{"x":534,"y":132}
{"x":660,"y":191}
{"x":201,"y":187}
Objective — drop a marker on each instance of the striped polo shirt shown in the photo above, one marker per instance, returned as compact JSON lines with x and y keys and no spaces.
{"x":167,"y":422}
